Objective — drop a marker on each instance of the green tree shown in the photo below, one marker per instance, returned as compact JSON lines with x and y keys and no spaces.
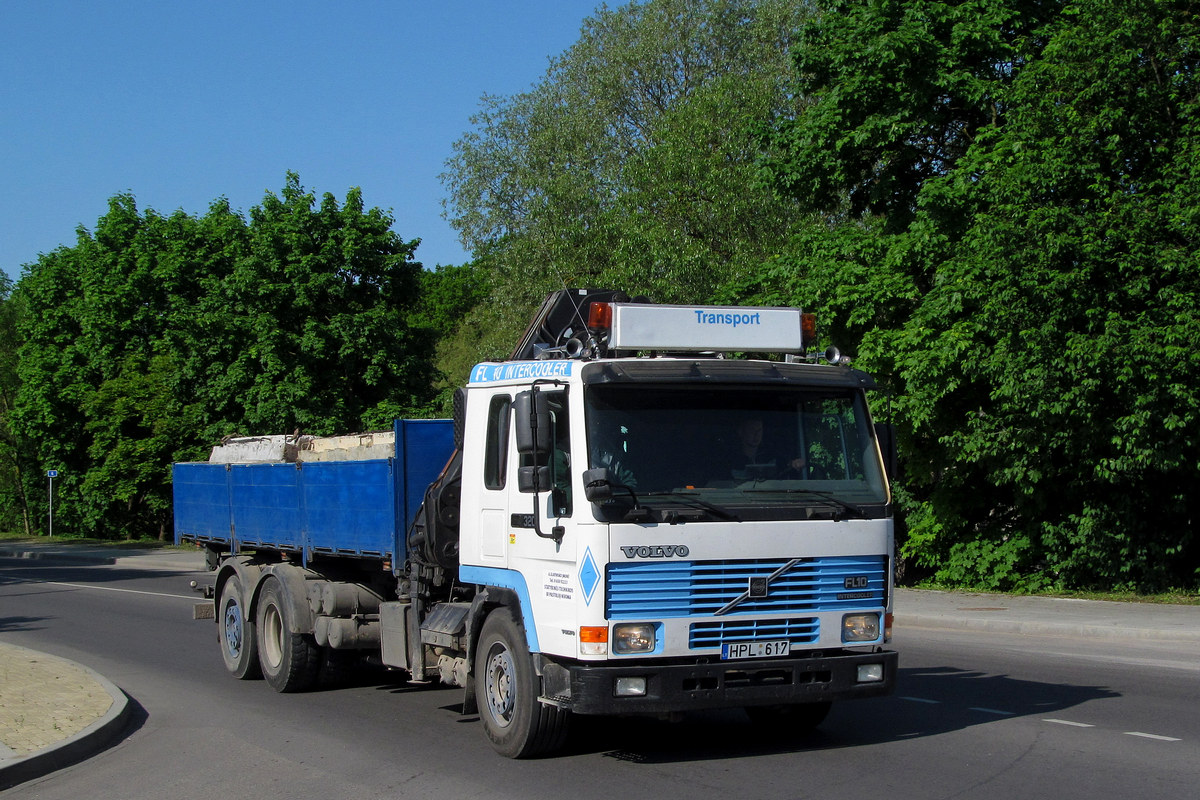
{"x":900,"y":91}
{"x":319,"y":307}
{"x":14,"y":506}
{"x":450,"y":294}
{"x":55,"y":369}
{"x":1029,"y":291}
{"x":632,"y":163}
{"x":154,"y":335}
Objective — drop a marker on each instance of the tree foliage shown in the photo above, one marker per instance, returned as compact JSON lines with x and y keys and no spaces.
{"x":1018,"y":257}
{"x":993,"y":204}
{"x":450,"y":294}
{"x":632,"y":162}
{"x":155,"y":335}
{"x":14,"y":506}
{"x":900,"y":92}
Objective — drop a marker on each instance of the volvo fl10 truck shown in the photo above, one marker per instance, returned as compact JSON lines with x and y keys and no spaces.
{"x":632,"y":515}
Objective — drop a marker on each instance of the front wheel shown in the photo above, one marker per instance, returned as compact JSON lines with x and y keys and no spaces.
{"x":506,"y":687}
{"x":239,"y":648}
{"x":290,"y":661}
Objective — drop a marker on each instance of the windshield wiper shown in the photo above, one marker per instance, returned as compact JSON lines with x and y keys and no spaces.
{"x":696,"y":502}
{"x":852,"y":509}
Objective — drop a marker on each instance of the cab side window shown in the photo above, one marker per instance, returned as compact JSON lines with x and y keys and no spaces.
{"x":495,"y":457}
{"x":560,"y":462}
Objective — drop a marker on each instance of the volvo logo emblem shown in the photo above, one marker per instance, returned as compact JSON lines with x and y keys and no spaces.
{"x":757,"y":587}
{"x":656,"y":551}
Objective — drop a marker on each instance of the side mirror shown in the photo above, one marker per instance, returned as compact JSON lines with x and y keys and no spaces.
{"x":596,"y":485}
{"x":531,"y":480}
{"x":532,"y":423}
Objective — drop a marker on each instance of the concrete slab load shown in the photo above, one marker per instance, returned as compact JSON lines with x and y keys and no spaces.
{"x":54,"y":712}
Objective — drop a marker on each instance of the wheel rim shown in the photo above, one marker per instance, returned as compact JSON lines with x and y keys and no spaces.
{"x":234,"y":629}
{"x":272,"y":639}
{"x":499,"y":687}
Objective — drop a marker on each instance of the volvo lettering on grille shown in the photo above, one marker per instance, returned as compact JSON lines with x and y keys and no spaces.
{"x":656,"y":551}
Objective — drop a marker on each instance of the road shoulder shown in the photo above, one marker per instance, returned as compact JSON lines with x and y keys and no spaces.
{"x":53,"y":713}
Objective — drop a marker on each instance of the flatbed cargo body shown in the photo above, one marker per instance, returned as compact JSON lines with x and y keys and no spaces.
{"x":358,"y":508}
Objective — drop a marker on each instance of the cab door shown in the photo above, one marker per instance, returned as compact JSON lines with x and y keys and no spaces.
{"x":493,"y":514}
{"x":542,"y":510}
{"x":543,"y":536}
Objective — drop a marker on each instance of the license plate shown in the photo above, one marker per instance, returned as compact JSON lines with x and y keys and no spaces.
{"x":755,"y":649}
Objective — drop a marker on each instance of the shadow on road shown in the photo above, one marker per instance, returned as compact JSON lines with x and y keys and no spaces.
{"x":21,"y":623}
{"x":928,"y":702}
{"x":35,"y":571}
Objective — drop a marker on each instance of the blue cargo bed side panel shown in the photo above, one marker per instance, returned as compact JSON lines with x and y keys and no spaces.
{"x":354,"y":508}
{"x":423,"y":446}
{"x":343,"y":507}
{"x":201,"y":500}
{"x":348,"y":507}
{"x":266,"y":505}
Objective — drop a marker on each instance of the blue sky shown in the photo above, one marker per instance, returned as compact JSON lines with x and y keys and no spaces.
{"x":180,"y":103}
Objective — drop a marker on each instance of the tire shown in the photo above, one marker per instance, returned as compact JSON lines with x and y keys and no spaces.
{"x":235,"y":633}
{"x":507,"y":690}
{"x":793,"y":720}
{"x":290,"y":661}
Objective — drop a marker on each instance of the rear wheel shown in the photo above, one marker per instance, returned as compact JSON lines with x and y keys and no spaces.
{"x":506,"y":688}
{"x":290,"y":661}
{"x":239,"y":648}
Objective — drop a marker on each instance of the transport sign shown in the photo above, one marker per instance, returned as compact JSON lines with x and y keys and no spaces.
{"x":700,"y":328}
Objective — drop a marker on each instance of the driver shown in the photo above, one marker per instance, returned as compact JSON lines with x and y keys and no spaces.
{"x":751,"y":460}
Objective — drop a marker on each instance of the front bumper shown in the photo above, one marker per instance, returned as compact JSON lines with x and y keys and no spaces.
{"x":726,"y":684}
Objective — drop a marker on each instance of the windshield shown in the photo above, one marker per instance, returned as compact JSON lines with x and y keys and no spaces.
{"x":746,"y":451}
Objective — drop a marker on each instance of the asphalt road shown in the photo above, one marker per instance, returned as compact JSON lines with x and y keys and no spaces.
{"x":975,"y":716}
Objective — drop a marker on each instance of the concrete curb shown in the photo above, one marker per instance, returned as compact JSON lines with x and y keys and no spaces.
{"x":45,"y":555}
{"x":139,"y":559}
{"x":75,"y":748}
{"x":1042,"y":628}
{"x":1047,"y":616}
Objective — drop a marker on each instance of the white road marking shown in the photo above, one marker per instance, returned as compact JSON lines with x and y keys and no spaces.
{"x":1071,"y":723}
{"x":115,"y":589}
{"x":1154,"y":736}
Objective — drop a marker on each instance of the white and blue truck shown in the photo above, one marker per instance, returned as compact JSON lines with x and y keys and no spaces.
{"x":620,"y":519}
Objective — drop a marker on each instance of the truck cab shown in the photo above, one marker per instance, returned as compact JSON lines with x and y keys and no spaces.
{"x":672,"y":530}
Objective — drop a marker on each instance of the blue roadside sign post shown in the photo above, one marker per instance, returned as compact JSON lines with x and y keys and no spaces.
{"x":51,"y":474}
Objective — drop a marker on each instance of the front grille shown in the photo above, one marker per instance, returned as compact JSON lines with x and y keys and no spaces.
{"x":673,"y":589}
{"x":806,"y":630}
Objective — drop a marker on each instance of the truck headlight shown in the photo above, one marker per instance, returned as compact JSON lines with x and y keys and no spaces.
{"x":633,"y":637}
{"x":860,"y":627}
